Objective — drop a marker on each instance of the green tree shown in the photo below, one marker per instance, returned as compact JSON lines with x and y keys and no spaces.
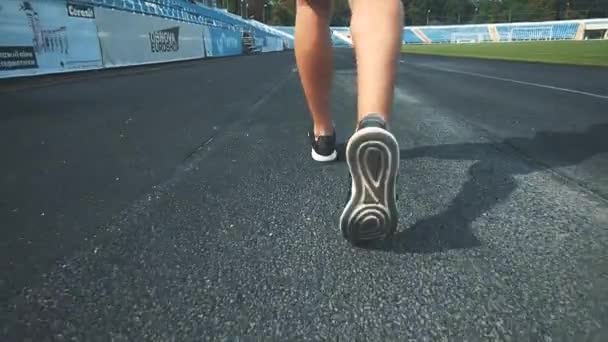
{"x":340,"y":13}
{"x":457,"y":11}
{"x":461,"y":11}
{"x":416,"y":11}
{"x":282,"y":12}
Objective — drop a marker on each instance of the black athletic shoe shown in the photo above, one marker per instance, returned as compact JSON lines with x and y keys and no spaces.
{"x":323,"y":147}
{"x":372,"y":155}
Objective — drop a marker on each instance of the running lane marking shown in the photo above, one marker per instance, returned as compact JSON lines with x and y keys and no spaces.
{"x":567,"y":90}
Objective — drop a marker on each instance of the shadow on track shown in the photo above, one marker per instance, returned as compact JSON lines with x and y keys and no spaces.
{"x":491,"y":181}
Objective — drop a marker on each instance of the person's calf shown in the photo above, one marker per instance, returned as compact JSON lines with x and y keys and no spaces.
{"x":377,"y":28}
{"x":314,"y":56}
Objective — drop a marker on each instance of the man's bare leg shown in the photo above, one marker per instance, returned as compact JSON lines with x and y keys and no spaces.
{"x":314,"y":57}
{"x":377,"y":29}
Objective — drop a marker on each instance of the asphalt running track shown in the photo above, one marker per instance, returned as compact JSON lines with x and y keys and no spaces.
{"x":179,"y":202}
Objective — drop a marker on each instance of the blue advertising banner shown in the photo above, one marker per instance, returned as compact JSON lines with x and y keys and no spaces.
{"x":272,"y":43}
{"x":221,"y":41}
{"x":39,"y":37}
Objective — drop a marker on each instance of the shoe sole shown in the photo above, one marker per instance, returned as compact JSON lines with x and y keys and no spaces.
{"x":371,"y":212}
{"x":321,"y":158}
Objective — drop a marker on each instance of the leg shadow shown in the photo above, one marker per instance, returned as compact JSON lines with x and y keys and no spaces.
{"x":491,"y":181}
{"x":469,"y":151}
{"x":341,"y":150}
{"x":488,"y":185}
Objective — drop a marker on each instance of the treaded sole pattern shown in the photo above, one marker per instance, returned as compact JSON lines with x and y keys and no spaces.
{"x":371,"y":212}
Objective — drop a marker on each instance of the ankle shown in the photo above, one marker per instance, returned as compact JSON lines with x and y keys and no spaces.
{"x":373,"y":119}
{"x":323,"y":129}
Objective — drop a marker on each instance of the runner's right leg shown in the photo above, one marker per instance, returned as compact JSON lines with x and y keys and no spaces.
{"x":377,"y":30}
{"x":372,"y":153}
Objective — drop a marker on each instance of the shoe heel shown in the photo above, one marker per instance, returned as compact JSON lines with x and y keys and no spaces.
{"x":371,"y":212}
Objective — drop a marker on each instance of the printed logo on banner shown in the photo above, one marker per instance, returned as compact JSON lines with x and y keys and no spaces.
{"x":80,"y":11}
{"x":17,"y":57}
{"x":45,"y":39}
{"x":166,"y":40}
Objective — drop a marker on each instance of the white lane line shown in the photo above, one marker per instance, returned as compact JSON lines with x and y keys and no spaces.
{"x":573,"y":91}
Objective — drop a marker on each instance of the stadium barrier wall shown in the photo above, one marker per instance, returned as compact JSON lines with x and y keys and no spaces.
{"x":288,"y":36}
{"x":40,"y":37}
{"x":270,"y":43}
{"x":145,"y":39}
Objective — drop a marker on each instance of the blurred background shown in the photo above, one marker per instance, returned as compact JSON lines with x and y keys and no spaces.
{"x":431,"y":12}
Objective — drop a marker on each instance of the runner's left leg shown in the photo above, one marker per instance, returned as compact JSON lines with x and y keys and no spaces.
{"x":314,"y":56}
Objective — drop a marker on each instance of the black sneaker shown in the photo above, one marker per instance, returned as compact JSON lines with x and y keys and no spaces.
{"x":323,"y":147}
{"x":372,"y":155}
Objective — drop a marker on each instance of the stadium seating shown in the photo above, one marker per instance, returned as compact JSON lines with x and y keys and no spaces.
{"x":537,"y":31}
{"x":554,"y":30}
{"x":336,"y":40}
{"x":410,"y":37}
{"x":185,"y":10}
{"x":448,"y":34}
{"x":287,"y":29}
{"x":338,"y":36}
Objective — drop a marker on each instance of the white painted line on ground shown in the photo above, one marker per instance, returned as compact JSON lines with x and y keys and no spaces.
{"x":403,"y":96}
{"x":573,"y":91}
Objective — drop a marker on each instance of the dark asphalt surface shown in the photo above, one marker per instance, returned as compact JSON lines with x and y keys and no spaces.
{"x":179,"y":202}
